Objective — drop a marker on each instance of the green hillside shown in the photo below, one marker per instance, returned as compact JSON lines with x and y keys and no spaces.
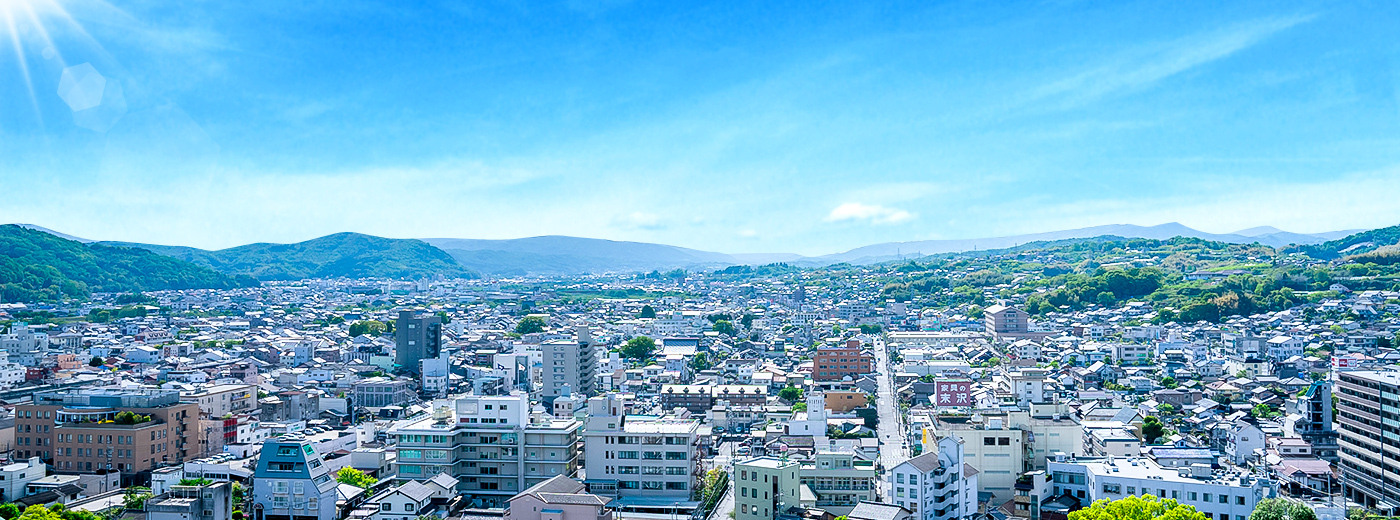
{"x":342,"y":255}
{"x":37,"y":266}
{"x":1363,"y":242}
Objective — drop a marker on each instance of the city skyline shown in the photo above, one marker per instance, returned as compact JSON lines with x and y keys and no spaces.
{"x":796,"y":128}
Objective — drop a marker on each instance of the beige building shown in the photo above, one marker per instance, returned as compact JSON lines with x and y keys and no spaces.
{"x":78,"y":429}
{"x":221,"y":400}
{"x":559,"y":498}
{"x":840,"y":480}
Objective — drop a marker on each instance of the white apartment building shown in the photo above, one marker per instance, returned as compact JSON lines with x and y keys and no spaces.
{"x":937,"y":485}
{"x":493,"y":445}
{"x":1220,"y":494}
{"x":631,"y":456}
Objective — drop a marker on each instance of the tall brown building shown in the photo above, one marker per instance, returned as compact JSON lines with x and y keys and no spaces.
{"x":835,"y":363}
{"x":80,"y":431}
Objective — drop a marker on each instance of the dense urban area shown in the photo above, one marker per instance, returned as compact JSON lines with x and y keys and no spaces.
{"x":1242,"y":381}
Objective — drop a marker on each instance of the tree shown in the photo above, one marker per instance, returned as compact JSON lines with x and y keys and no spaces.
{"x":1168,"y":382}
{"x":799,"y":407}
{"x":1151,"y":428}
{"x":135,"y":499}
{"x":9,"y":511}
{"x":530,"y":325}
{"x":725,"y":327}
{"x":701,"y":361}
{"x":444,"y":317}
{"x":354,"y":477}
{"x":1146,"y":507}
{"x":194,"y":482}
{"x":95,"y":361}
{"x":639,"y":348}
{"x":790,"y":394}
{"x":371,"y":327}
{"x":1280,"y":509}
{"x":647,"y":312}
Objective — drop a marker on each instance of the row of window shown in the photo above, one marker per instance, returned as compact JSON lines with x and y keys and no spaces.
{"x":1175,"y":494}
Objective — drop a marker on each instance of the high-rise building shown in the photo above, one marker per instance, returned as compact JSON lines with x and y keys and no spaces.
{"x":640,"y":455}
{"x":129,"y":430}
{"x":291,"y":482}
{"x":416,"y":337}
{"x":1369,"y":421}
{"x":1310,"y":418}
{"x":765,"y":487}
{"x":936,"y":485}
{"x":835,"y":363}
{"x":491,"y":444}
{"x":572,"y":363}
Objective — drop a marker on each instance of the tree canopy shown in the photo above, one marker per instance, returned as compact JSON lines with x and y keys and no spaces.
{"x":640,"y":347}
{"x":354,"y":477}
{"x":530,"y":325}
{"x":1146,"y":507}
{"x":1280,"y":509}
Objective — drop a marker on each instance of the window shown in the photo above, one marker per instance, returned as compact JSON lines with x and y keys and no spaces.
{"x":1239,"y":500}
{"x":989,"y":441}
{"x":626,"y":454}
{"x":675,"y":455}
{"x":1132,"y":490}
{"x":676,"y":486}
{"x":899,"y":478}
{"x":1205,"y":497}
{"x":913,"y":479}
{"x":1115,"y":488}
{"x":1004,"y":441}
{"x":1224,"y":499}
{"x":1192,"y":495}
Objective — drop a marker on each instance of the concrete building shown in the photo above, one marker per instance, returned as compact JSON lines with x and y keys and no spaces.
{"x":558,"y":498}
{"x":571,"y":364}
{"x":491,"y":444}
{"x":1000,"y":453}
{"x":936,"y":485}
{"x":416,"y":337}
{"x":208,"y":502}
{"x":840,"y":480}
{"x":832,"y":364}
{"x":221,"y":400}
{"x":383,"y":391}
{"x":291,"y":482}
{"x":1311,"y":419}
{"x":1370,"y":470}
{"x":15,"y":477}
{"x":78,"y":429}
{"x":1220,"y":494}
{"x":765,"y":487}
{"x":643,"y":461}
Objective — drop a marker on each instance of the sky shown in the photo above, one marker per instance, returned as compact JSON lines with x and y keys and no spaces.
{"x":801,"y":127}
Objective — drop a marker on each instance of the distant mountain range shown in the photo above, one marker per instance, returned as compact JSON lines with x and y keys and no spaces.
{"x":1268,"y":236}
{"x":355,"y":255}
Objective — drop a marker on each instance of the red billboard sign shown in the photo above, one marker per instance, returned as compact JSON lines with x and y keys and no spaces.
{"x":952,"y":393}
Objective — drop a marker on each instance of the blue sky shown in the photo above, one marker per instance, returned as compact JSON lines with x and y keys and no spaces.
{"x":803,"y":127}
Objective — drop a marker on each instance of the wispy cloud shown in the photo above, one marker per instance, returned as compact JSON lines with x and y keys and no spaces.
{"x":873,"y":213}
{"x":1136,"y":70}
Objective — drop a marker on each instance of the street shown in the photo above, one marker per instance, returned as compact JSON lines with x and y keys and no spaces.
{"x":891,"y":428}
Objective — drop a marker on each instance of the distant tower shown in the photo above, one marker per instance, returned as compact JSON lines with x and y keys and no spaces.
{"x":800,"y":295}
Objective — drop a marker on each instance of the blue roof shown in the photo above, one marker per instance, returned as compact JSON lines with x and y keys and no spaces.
{"x":1181,"y":453}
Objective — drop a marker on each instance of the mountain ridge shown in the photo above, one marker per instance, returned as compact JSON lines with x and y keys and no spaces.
{"x":558,"y":255}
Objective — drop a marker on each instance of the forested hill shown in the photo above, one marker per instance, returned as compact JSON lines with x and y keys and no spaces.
{"x":37,"y":266}
{"x":347,"y":255}
{"x":1363,"y":242}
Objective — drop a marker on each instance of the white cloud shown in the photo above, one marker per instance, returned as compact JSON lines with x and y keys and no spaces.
{"x":1137,"y":70}
{"x":874,"y":213}
{"x":639,"y":220}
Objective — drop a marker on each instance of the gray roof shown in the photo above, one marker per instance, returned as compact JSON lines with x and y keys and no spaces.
{"x":562,"y":490}
{"x":876,"y":511}
{"x":924,"y":463}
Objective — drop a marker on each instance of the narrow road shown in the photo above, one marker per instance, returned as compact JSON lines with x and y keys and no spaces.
{"x":891,"y":429}
{"x":724,"y":510}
